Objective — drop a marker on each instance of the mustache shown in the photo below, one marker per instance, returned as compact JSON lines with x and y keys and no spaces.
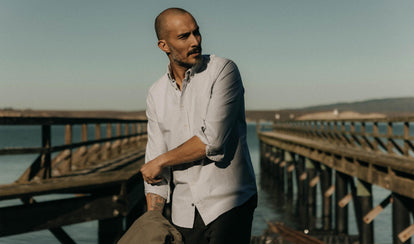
{"x":194,"y":50}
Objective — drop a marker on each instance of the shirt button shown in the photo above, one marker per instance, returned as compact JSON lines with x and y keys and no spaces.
{"x":192,"y":204}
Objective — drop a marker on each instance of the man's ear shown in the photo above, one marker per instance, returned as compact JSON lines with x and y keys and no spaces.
{"x":162,"y":44}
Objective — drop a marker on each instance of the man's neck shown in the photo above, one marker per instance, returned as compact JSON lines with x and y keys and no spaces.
{"x":178,"y":72}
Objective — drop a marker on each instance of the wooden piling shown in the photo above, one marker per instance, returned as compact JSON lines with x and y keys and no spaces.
{"x":362,"y":153}
{"x":341,"y":213}
{"x":311,"y":194}
{"x":289,"y":176}
{"x":326,"y":183}
{"x":400,"y":217}
{"x":364,"y":203}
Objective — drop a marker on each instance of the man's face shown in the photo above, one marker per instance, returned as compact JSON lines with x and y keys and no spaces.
{"x":184,"y":40}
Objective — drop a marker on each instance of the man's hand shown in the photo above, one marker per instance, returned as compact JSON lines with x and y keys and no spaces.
{"x":151,"y":171}
{"x":191,"y":150}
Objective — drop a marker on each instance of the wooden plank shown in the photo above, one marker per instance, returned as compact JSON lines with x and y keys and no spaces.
{"x":11,"y":120}
{"x":34,"y":150}
{"x":377,"y":210}
{"x":401,"y":163}
{"x":74,"y":183}
{"x":52,"y":214}
{"x":58,"y":232}
{"x":406,"y":234}
{"x":291,"y":235}
{"x":402,"y":184}
{"x":344,"y":201}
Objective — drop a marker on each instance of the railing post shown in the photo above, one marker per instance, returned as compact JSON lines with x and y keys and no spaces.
{"x":126,"y":133}
{"x":107,"y":146}
{"x":406,"y":138}
{"x":68,"y":141}
{"x":118,"y":143}
{"x":46,"y":156}
{"x":133,"y":132}
{"x":389,"y":135}
{"x":375,"y":135}
{"x":98,"y":136}
{"x":84,"y":139}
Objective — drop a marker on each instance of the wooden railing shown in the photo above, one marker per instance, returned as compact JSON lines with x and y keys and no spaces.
{"x":74,"y":155}
{"x":359,"y":153}
{"x":392,"y":136}
{"x":99,"y":174}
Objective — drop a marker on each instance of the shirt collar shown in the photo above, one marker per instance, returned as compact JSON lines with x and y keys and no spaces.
{"x":189,"y":73}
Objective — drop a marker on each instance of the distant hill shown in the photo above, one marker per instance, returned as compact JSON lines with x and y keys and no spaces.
{"x":388,"y":106}
{"x":391,"y":106}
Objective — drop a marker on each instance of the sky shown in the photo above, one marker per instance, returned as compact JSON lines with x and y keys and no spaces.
{"x":102,"y":55}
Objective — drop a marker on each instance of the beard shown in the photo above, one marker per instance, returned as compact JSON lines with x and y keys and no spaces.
{"x":184,"y":64}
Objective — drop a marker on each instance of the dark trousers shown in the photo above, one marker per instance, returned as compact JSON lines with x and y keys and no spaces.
{"x":234,"y":226}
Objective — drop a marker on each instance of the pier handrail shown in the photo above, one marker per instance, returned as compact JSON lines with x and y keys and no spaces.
{"x":132,"y":129}
{"x":46,"y":122}
{"x":373,"y":150}
{"x":370,"y":134}
{"x":358,"y":153}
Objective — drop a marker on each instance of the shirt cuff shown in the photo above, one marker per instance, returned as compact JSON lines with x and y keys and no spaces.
{"x":161,"y":190}
{"x":214,"y":153}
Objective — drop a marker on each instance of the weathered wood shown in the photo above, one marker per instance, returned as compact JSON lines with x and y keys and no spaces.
{"x":103,"y":185}
{"x":370,"y":216}
{"x":58,"y":232}
{"x":52,"y":214}
{"x":326,"y":181}
{"x":74,"y":183}
{"x":46,"y":160}
{"x":341,"y":213}
{"x":370,"y":170}
{"x":400,"y":217}
{"x":34,"y":150}
{"x":292,"y":236}
{"x":363,"y":205}
{"x":11,"y":120}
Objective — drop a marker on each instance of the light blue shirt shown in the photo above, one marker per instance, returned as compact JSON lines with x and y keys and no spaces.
{"x":210,"y":105}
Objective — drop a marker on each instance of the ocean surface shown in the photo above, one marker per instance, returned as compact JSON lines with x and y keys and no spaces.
{"x":269,"y":206}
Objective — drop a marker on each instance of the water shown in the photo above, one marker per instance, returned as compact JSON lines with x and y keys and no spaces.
{"x":270,"y":205}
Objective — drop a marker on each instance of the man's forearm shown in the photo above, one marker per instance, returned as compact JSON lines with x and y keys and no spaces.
{"x":191,"y":150}
{"x":155,"y":202}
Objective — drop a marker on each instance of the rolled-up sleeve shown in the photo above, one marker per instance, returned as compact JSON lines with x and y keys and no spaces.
{"x":155,"y":147}
{"x":226,"y":101}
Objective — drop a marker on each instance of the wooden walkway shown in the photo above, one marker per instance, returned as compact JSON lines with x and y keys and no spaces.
{"x":95,"y":179}
{"x":345,"y":158}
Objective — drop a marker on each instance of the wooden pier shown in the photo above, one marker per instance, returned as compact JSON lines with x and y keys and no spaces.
{"x":97,"y":177}
{"x":344,"y":158}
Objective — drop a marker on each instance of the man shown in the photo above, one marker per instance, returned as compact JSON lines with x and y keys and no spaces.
{"x":197,"y":139}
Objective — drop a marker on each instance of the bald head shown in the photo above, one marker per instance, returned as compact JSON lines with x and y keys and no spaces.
{"x":161,"y":22}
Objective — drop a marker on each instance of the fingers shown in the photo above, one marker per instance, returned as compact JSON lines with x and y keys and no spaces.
{"x":151,"y":173}
{"x":151,"y":180}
